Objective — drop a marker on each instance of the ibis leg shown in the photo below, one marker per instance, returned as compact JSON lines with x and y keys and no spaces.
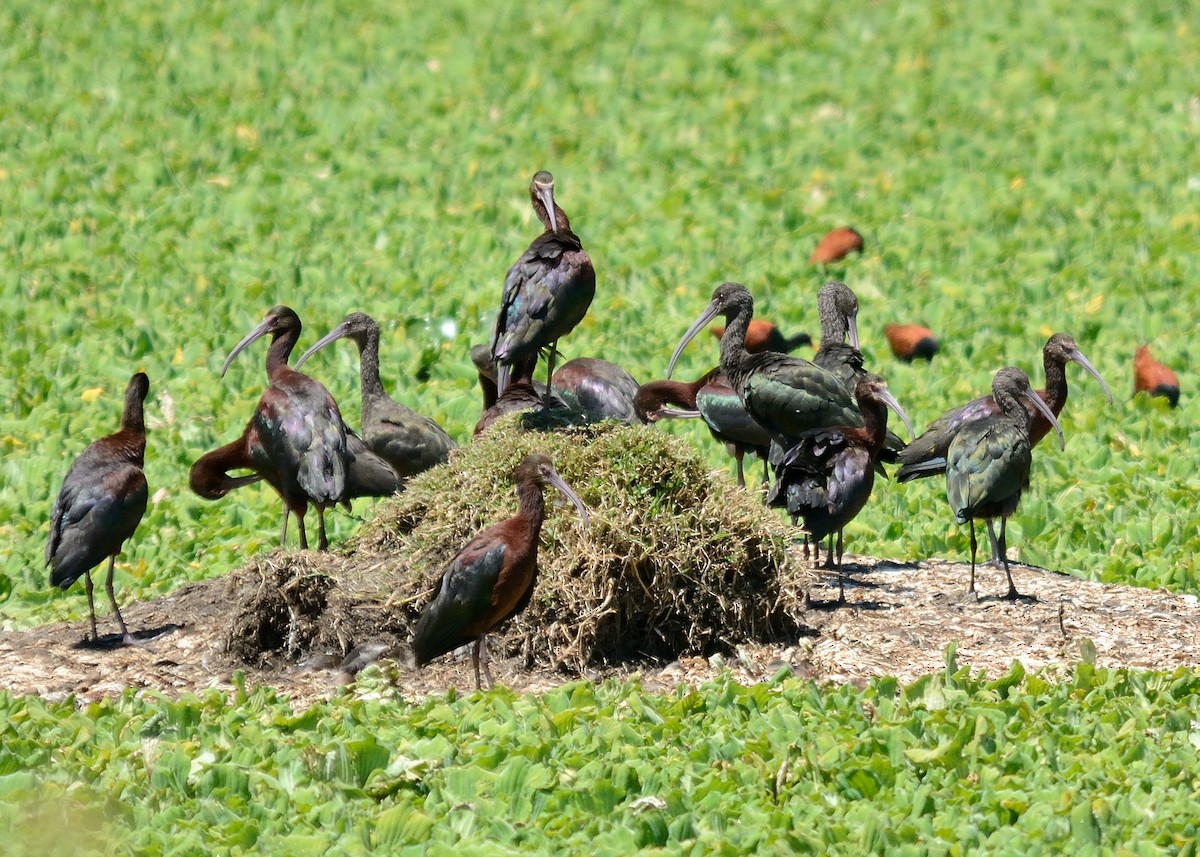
{"x":87,"y":584}
{"x":283,"y":532}
{"x":126,"y":637}
{"x":999,"y":554}
{"x":974,"y":546}
{"x":322,"y":540}
{"x":1012,"y":589}
{"x":550,"y":372}
{"x":484,"y":660}
{"x":475,"y":661}
{"x":841,"y":577}
{"x":303,"y":534}
{"x":828,"y":552}
{"x":739,"y":455}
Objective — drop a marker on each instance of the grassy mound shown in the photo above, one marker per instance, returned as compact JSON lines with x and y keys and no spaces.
{"x":676,"y":559}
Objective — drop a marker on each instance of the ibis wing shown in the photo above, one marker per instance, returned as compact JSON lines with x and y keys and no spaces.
{"x":462,"y":599}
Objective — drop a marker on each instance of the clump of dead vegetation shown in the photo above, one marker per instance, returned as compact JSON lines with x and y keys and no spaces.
{"x":676,"y":559}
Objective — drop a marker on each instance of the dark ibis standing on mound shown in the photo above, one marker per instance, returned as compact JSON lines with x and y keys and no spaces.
{"x":100,"y":505}
{"x":785,"y":395}
{"x":910,"y":342}
{"x":547,"y":291}
{"x":1150,"y":376}
{"x":410,"y":442}
{"x":763,"y":335}
{"x":836,"y":245}
{"x":711,"y":399}
{"x":367,"y":475}
{"x":827,"y":476}
{"x":492,"y":577}
{"x":926,"y":456}
{"x":297,"y":437}
{"x":987,"y":466}
{"x":597,"y":389}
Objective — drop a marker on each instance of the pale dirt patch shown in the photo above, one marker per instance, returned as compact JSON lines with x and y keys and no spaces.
{"x":899,"y":620}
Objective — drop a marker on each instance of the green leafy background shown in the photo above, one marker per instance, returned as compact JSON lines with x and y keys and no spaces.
{"x":170,"y":170}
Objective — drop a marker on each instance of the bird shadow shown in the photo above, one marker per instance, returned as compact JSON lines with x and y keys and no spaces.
{"x":112,"y":642}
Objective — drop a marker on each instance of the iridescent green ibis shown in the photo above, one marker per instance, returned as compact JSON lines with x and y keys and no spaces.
{"x":547,"y":291}
{"x":987,"y":465}
{"x":367,"y":475}
{"x":492,"y":577}
{"x":100,"y":505}
{"x":596,"y":389}
{"x":1153,"y":378}
{"x":711,"y":399}
{"x":836,"y":245}
{"x":827,"y":476}
{"x":298,"y":438}
{"x":785,"y":395}
{"x":763,"y":335}
{"x":410,"y":442}
{"x":926,"y":456}
{"x":910,"y":342}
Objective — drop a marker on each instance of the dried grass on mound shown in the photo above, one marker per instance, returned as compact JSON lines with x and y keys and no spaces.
{"x":676,"y":559}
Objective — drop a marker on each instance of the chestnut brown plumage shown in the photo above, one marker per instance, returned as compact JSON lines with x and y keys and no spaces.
{"x":763,"y":335}
{"x":100,"y":505}
{"x":492,"y":577}
{"x":1150,"y":376}
{"x":836,"y":245}
{"x":911,"y":341}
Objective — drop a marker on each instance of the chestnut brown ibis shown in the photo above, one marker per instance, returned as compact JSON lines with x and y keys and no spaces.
{"x":763,"y":335}
{"x":596,"y":389}
{"x":547,"y":291}
{"x":785,"y":395}
{"x":100,"y":505}
{"x":926,"y":456}
{"x":410,"y":442}
{"x":548,"y":410}
{"x":711,"y":399}
{"x":911,"y":341}
{"x":367,"y":475}
{"x":492,"y":577}
{"x":1152,"y":377}
{"x":827,"y":476}
{"x":298,"y":438}
{"x":987,"y":465}
{"x":836,"y":246}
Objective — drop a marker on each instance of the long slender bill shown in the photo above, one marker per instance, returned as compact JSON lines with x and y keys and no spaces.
{"x":259,"y":331}
{"x":698,"y":325}
{"x":546,"y":194}
{"x":853,"y":321}
{"x":558,"y":482}
{"x":1049,"y":414}
{"x":333,"y":335}
{"x":885,"y":395}
{"x":678,"y":414}
{"x":1078,"y":357}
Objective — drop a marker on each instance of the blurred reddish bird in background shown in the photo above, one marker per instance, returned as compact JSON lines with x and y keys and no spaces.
{"x":1153,"y":377}
{"x":836,"y":245}
{"x":763,"y":335}
{"x":910,"y":341}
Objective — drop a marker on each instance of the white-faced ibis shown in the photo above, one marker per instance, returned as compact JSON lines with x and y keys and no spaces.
{"x":711,"y":399}
{"x":926,"y":456}
{"x":987,"y":466}
{"x":827,"y":476}
{"x":492,"y":577}
{"x":1152,"y":377}
{"x":596,"y":389}
{"x":367,"y":475}
{"x":784,"y":394}
{"x":410,"y":442}
{"x":763,"y":335}
{"x":837,"y":308}
{"x":911,"y":341}
{"x":298,"y":441}
{"x":836,"y":245}
{"x":547,"y":291}
{"x":100,"y":505}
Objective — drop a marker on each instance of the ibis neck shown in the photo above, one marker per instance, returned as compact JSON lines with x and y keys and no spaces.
{"x":280,"y":350}
{"x":531,"y":507}
{"x":733,"y":342}
{"x":834,"y":326}
{"x":133,"y":417}
{"x":368,"y":365}
{"x":874,"y":415}
{"x":1056,"y":381}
